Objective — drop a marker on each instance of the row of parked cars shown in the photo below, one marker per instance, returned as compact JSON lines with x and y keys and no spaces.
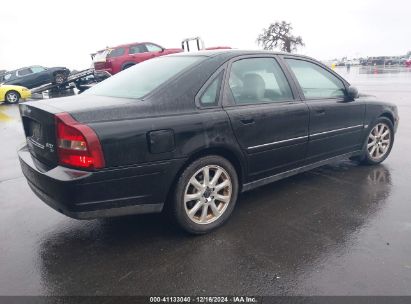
{"x":121,"y":57}
{"x":15,"y":85}
{"x":386,"y":60}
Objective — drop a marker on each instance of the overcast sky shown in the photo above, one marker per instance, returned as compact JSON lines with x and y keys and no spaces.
{"x":64,"y":33}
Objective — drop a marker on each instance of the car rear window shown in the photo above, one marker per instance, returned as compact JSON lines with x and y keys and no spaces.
{"x":116,"y":52}
{"x":143,"y":78}
{"x":101,"y":55}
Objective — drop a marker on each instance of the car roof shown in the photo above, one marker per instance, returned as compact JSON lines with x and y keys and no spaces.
{"x":235,"y":53}
{"x":127,"y":45}
{"x":31,"y":66}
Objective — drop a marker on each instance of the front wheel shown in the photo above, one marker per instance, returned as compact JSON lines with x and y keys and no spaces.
{"x":205,"y":194}
{"x":12,"y":97}
{"x":379,"y":142}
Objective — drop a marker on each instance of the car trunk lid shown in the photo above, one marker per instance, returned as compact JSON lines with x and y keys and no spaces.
{"x":39,"y":119}
{"x":100,"y":59}
{"x":39,"y":128}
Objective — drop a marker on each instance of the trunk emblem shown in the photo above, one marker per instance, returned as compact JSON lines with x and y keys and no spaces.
{"x":34,"y":143}
{"x":50,"y":146}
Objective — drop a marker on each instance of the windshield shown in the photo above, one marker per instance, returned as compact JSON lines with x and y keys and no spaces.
{"x":142,"y":78}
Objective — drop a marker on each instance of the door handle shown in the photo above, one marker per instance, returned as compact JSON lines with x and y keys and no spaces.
{"x":247,"y":121}
{"x":320,"y":112}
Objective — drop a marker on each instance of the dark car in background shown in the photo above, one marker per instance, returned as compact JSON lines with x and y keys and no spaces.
{"x":35,"y":76}
{"x":189,"y":132}
{"x":116,"y":59}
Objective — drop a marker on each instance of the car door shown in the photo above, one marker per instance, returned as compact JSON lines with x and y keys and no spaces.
{"x":139,"y":53}
{"x":336,"y":123}
{"x":40,"y":76}
{"x":25,"y":78}
{"x":270,"y":124}
{"x":154,"y":49}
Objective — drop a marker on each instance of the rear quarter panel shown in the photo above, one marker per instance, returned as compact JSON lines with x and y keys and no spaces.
{"x":127,"y":142}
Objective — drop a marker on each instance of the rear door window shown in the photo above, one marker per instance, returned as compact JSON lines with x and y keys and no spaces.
{"x":136,"y":49}
{"x":24,"y":72}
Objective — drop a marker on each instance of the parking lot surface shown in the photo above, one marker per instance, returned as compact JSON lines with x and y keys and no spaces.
{"x":341,"y":229}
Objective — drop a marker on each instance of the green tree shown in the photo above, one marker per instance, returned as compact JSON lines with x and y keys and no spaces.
{"x":278,"y":36}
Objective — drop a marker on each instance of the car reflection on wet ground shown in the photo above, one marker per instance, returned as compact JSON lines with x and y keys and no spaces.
{"x":342,"y":229}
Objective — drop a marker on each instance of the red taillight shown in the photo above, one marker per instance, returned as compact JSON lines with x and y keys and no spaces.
{"x":107,"y":64}
{"x":77,"y":144}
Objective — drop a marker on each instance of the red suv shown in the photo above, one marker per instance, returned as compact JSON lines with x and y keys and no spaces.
{"x":116,"y":59}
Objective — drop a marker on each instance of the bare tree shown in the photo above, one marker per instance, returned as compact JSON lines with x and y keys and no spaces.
{"x":278,"y":35}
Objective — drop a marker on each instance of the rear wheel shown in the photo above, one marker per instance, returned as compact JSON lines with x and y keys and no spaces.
{"x":127,"y":66}
{"x":378,"y":143}
{"x":205,"y":194}
{"x":12,"y":97}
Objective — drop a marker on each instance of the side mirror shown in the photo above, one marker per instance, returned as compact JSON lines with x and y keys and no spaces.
{"x":352,"y":93}
{"x":162,"y":50}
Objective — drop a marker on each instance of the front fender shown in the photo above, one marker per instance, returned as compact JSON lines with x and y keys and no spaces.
{"x":376,"y":109}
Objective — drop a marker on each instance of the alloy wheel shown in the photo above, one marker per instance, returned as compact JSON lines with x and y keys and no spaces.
{"x":59,"y":79}
{"x":379,"y":141}
{"x":12,"y":97}
{"x":207,"y":194}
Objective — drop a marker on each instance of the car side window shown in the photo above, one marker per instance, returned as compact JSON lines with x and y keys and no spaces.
{"x":258,"y":80}
{"x":153,"y":48}
{"x":37,"y":69}
{"x":136,"y":49}
{"x":116,"y":52}
{"x":315,"y":81}
{"x":211,"y":94}
{"x":24,"y":72}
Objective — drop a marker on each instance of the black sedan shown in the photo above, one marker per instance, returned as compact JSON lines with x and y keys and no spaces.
{"x":191,"y":131}
{"x":35,"y":76}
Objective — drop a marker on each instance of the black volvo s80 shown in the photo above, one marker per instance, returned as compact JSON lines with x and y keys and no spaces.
{"x":192,"y":131}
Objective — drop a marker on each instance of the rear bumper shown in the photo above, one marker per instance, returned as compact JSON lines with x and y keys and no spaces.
{"x":115,"y":192}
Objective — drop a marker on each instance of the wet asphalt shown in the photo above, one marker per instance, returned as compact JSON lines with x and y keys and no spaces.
{"x":342,"y":229}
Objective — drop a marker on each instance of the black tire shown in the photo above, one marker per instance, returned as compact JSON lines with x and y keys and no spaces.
{"x":366,"y":158}
{"x":60,"y":78}
{"x":180,"y":207}
{"x":127,"y":66}
{"x":12,"y":97}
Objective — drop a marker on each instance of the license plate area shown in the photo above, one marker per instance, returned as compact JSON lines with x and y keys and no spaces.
{"x":35,"y":130}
